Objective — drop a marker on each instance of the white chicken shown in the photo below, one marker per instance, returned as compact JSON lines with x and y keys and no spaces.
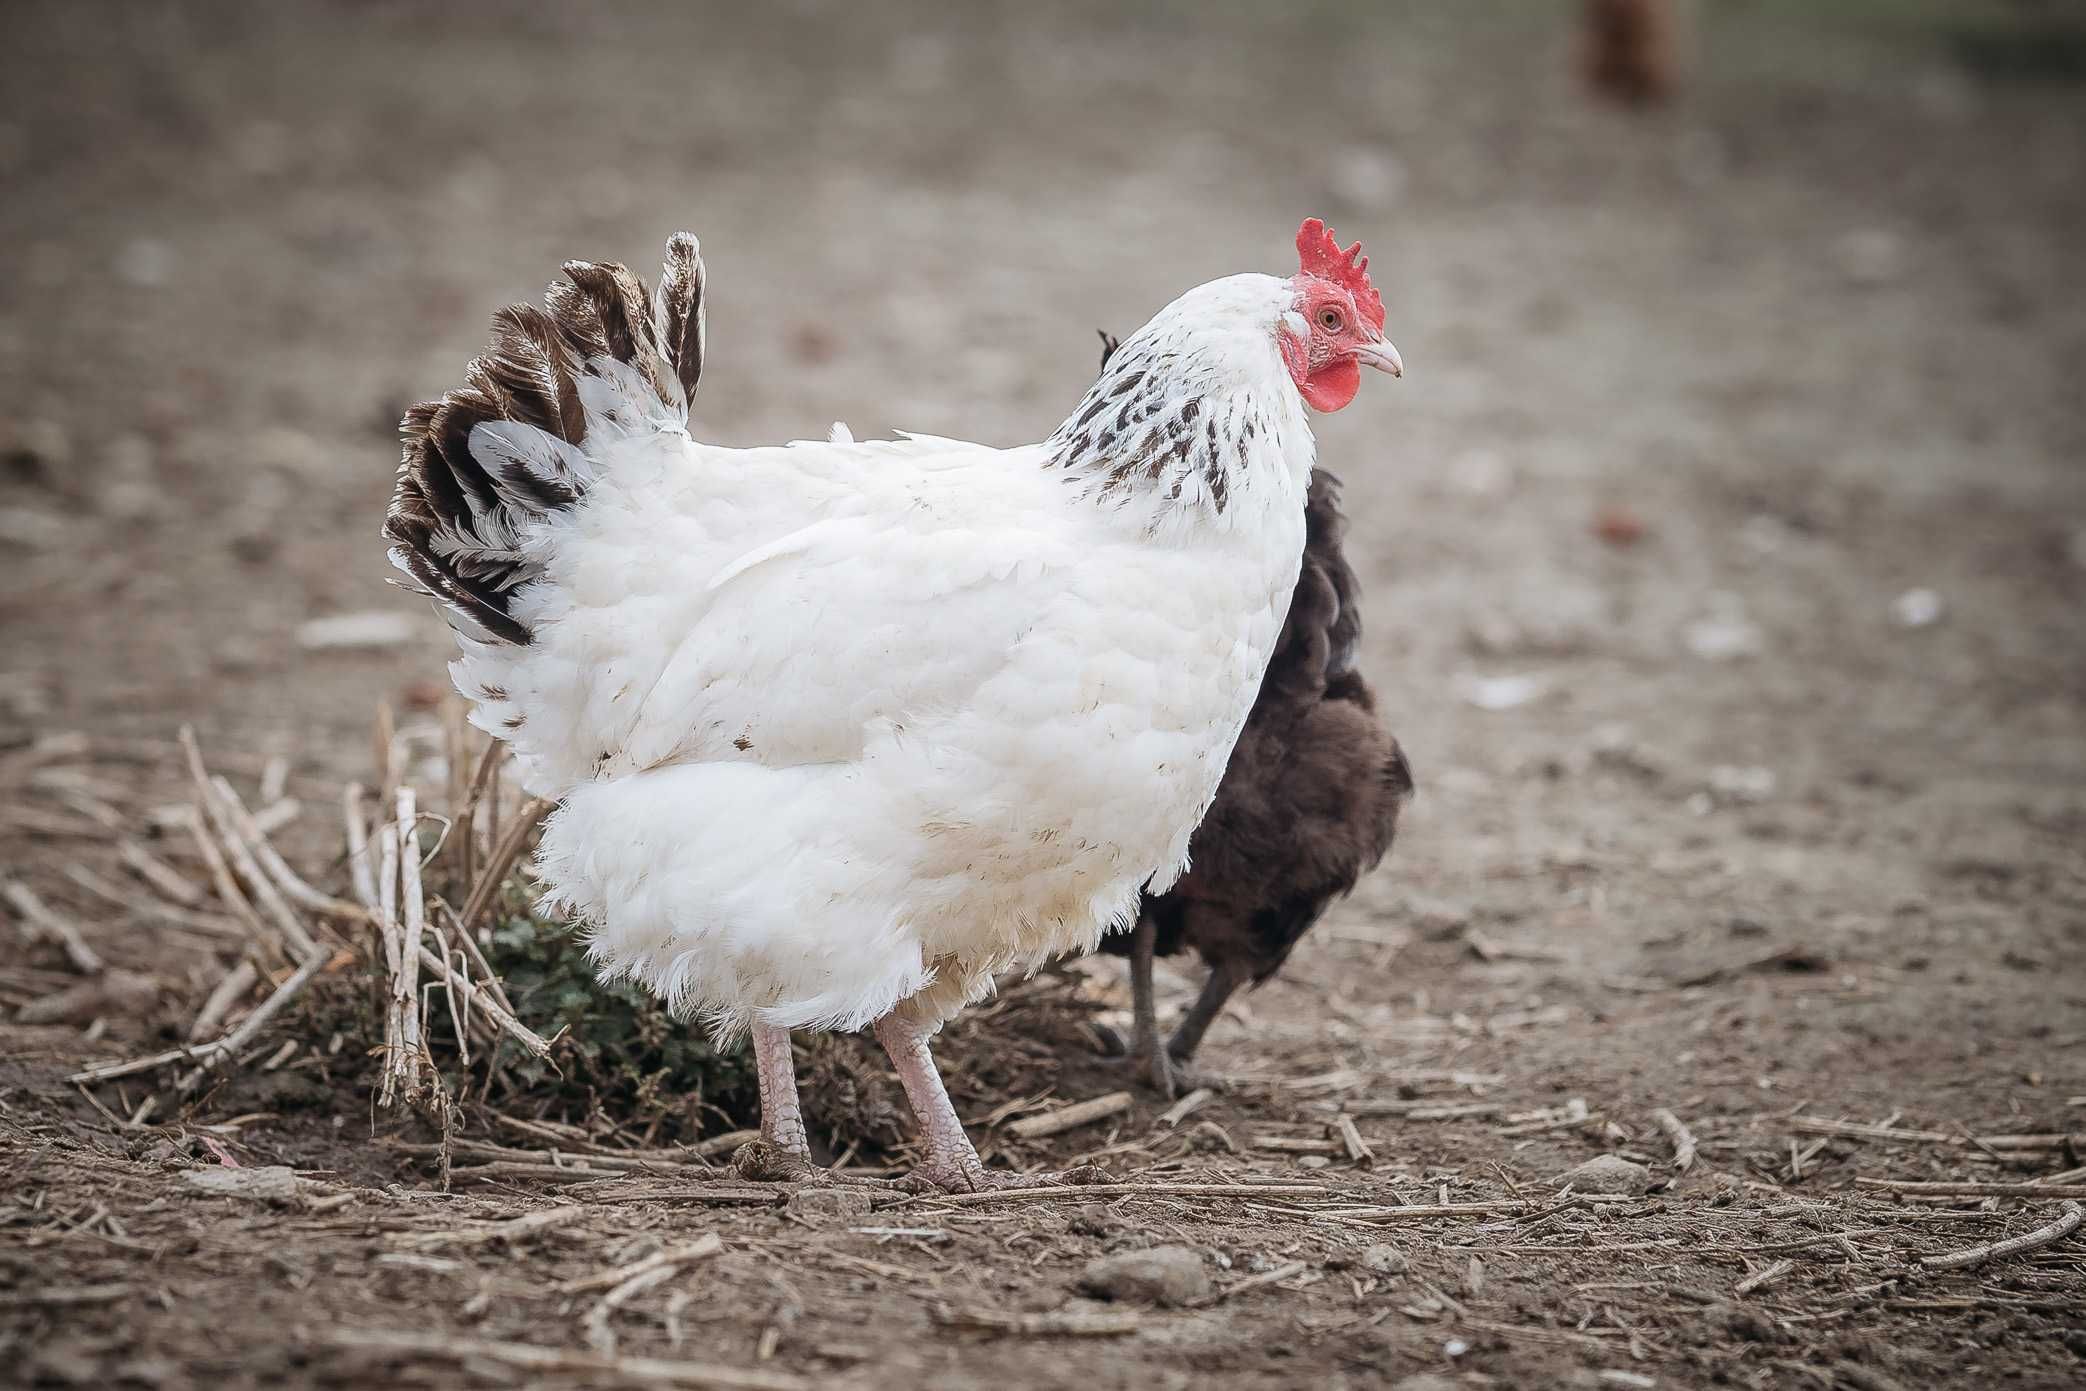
{"x":840,"y":731}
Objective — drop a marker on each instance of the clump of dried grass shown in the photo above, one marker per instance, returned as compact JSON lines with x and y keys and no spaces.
{"x":419,"y":947}
{"x":432,"y":962}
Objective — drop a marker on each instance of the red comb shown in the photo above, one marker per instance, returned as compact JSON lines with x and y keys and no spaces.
{"x":1320,"y":255}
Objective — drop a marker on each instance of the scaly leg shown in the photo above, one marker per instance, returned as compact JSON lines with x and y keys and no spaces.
{"x":951,"y":1162}
{"x":783,"y":1152}
{"x":1145,"y":1049}
{"x":782,"y":1115}
{"x":1187,"y":1035}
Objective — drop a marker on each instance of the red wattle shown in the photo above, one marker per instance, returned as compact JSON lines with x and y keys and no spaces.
{"x":1333,"y":385}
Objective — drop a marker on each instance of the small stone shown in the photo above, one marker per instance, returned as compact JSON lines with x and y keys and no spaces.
{"x":1312,"y":1161}
{"x":1092,"y":1219}
{"x":270,"y":1183}
{"x":1385,"y":1259}
{"x":1765,"y":534}
{"x":1618,"y":526}
{"x":130,"y":490}
{"x":376,"y":628}
{"x":1871,"y":256}
{"x":823,"y":1203}
{"x":1722,"y":638}
{"x":1744,"y":1323}
{"x":1609,"y":1173}
{"x":40,"y":450}
{"x":1916,"y":608}
{"x":1501,"y":692}
{"x":1168,"y":1276}
{"x":146,"y":263}
{"x":1733,"y":784}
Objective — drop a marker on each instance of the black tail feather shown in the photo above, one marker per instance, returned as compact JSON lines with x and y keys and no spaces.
{"x":456,"y":515}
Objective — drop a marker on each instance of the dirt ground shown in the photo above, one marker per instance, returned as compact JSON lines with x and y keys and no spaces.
{"x":1724,"y":549}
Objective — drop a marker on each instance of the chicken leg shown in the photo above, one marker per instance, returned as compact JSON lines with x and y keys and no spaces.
{"x":950,"y":1162}
{"x":783,"y":1151}
{"x":782,"y":1154}
{"x":1167,"y":1064}
{"x":1187,"y":1035}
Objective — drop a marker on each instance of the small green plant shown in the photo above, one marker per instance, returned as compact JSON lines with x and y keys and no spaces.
{"x":620,"y":1054}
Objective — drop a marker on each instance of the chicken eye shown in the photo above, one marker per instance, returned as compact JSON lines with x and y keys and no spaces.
{"x":1329,"y":319}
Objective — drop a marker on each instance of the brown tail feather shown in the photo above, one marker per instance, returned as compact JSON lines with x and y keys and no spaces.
{"x":456,"y":516}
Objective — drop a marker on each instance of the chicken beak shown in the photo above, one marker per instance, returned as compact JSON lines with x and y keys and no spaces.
{"x":1382,"y":356}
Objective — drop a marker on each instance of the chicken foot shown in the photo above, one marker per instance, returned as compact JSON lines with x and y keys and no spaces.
{"x":1167,"y":1065}
{"x":950,"y":1163}
{"x":782,"y":1154}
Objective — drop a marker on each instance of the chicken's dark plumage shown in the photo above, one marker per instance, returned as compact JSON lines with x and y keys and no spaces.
{"x":1309,"y":804}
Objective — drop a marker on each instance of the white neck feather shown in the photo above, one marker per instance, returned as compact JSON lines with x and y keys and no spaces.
{"x":1194,"y":414}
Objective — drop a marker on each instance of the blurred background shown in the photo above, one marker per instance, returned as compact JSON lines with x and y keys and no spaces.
{"x":1729,"y":528}
{"x":1723,"y":552}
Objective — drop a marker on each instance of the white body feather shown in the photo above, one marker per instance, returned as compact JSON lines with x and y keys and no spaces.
{"x":844,"y":728}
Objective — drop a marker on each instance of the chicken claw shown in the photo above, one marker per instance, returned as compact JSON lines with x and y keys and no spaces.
{"x":764,"y":1161}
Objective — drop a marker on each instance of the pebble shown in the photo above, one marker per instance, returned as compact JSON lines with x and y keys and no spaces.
{"x":1722,"y":638}
{"x":838,"y":1202}
{"x":1618,"y":525}
{"x":130,"y":490}
{"x":1916,"y":608}
{"x":1735,"y":784}
{"x":376,"y":628}
{"x":40,"y":449}
{"x":1168,"y":1276}
{"x":146,"y":263}
{"x":1872,"y":256}
{"x":1385,"y":1259}
{"x":1608,"y":1173}
{"x":1501,"y":692}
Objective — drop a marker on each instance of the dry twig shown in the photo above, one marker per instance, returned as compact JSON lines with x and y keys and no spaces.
{"x":1763,"y":1276}
{"x":1251,"y":1282}
{"x":2067,"y":1222}
{"x":230,"y":991}
{"x":1080,"y":1192}
{"x":1854,"y":1130}
{"x":1070,"y":1323}
{"x":1071,"y":1117}
{"x":709,"y":1244}
{"x":1683,"y":1139}
{"x":43,"y":922}
{"x":528,"y":1224}
{"x":211,"y":1055}
{"x":1949,"y":1188}
{"x":644,"y":1371}
{"x":159,"y":874}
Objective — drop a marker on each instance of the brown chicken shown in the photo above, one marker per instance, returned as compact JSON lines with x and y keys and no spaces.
{"x":1309,"y":804}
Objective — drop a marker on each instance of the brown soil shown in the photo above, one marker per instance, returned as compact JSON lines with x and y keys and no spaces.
{"x":1739,"y":371}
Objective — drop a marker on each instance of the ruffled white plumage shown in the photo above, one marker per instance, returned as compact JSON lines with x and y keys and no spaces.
{"x":815,"y":768}
{"x":841,"y":729}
